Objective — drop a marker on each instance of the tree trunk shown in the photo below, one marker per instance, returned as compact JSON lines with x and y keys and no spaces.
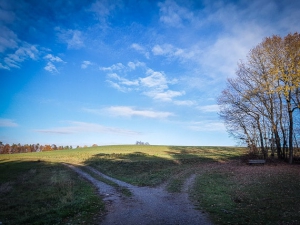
{"x":261,"y":138}
{"x":291,"y":128}
{"x":278,"y":144}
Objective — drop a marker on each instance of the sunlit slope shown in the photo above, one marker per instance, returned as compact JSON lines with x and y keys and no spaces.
{"x":80,"y":155}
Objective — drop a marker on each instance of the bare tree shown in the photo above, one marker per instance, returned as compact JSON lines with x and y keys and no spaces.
{"x":265,"y":93}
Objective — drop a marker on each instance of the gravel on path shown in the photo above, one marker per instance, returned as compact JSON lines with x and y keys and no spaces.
{"x":147,"y":205}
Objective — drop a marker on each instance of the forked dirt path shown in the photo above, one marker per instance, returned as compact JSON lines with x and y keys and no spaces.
{"x":146,"y":205}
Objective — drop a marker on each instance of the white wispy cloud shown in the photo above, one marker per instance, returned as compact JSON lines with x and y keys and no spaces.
{"x":117,"y":66}
{"x":209,"y":108}
{"x":184,"y":102}
{"x":8,"y":39}
{"x":4,"y":67}
{"x":83,"y":127}
{"x":7,"y":123}
{"x":51,"y":59}
{"x":122,"y":80}
{"x":119,"y":87}
{"x":73,"y":38}
{"x":166,"y":96}
{"x":238,"y":44}
{"x":176,"y":53}
{"x":120,"y":83}
{"x":102,"y":9}
{"x":239,"y":27}
{"x":25,"y":52}
{"x":129,"y":112}
{"x":154,"y":79}
{"x":174,"y":15}
{"x":134,"y":65}
{"x":85,"y":64}
{"x":207,"y":125}
{"x":154,"y":84}
{"x":14,"y":50}
{"x":141,"y":49}
{"x":51,"y":67}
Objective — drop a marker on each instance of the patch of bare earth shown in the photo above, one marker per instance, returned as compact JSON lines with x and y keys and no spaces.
{"x":146,"y":205}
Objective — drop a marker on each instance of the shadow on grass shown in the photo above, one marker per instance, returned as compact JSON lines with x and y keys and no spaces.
{"x":39,"y":192}
{"x":143,"y":169}
{"x":137,"y":168}
{"x":206,"y":154}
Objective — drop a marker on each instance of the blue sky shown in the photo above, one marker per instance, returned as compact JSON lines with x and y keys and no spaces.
{"x":102,"y":72}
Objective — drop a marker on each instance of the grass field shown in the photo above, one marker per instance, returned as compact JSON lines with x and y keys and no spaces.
{"x":227,"y":188}
{"x":40,"y":192}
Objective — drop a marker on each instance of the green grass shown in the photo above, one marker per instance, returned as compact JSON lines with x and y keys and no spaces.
{"x":136,"y":168}
{"x":153,"y":165}
{"x":53,"y":195}
{"x":81,"y":155}
{"x":37,"y":192}
{"x":35,"y":187}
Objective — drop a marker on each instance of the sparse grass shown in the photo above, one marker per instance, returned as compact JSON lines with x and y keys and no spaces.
{"x":123,"y":190}
{"x":250,"y":195}
{"x":176,"y":182}
{"x":45,"y":193}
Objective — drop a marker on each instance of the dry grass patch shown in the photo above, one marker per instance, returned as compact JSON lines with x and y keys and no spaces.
{"x":236,"y":193}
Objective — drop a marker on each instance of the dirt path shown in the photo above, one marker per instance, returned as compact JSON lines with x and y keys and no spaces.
{"x":146,"y":205}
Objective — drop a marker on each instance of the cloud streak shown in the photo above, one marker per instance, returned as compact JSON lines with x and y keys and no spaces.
{"x":207,"y":126}
{"x":129,"y":112}
{"x":209,"y":108}
{"x":83,"y":127}
{"x":25,"y":52}
{"x":85,"y":64}
{"x":7,"y":123}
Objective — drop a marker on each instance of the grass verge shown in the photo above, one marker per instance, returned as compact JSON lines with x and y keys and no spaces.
{"x":37,"y":192}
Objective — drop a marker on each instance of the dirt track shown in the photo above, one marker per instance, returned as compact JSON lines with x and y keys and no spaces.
{"x":146,"y":205}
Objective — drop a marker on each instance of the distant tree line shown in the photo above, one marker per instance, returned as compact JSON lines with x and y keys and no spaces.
{"x":142,"y":143}
{"x":18,"y":148}
{"x":261,"y":105}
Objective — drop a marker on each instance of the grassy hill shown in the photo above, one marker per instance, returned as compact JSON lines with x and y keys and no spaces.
{"x":35,"y":188}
